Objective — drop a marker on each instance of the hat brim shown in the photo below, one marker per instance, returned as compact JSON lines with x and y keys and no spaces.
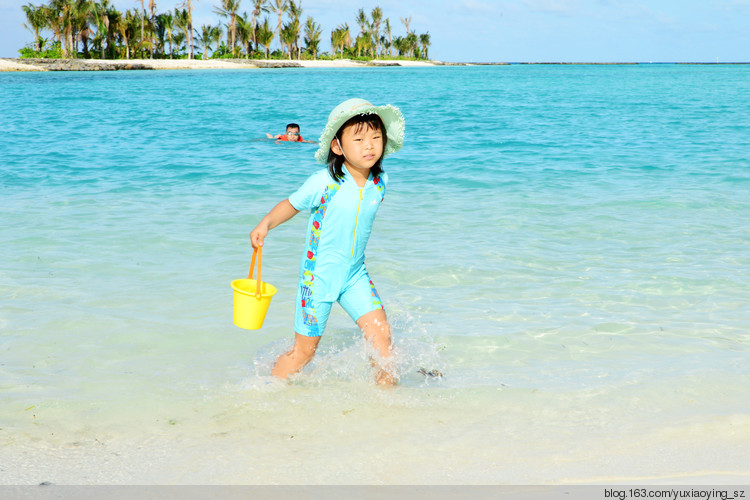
{"x":392,"y":119}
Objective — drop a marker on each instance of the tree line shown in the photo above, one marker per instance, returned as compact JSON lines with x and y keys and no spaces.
{"x":96,"y":29}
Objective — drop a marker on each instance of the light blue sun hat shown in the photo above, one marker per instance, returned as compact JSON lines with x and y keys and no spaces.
{"x":391,"y":116}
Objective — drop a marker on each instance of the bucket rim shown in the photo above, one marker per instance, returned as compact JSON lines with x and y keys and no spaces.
{"x":270,"y":290}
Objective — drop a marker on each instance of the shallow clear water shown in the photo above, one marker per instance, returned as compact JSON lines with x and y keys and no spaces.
{"x":569,"y":245}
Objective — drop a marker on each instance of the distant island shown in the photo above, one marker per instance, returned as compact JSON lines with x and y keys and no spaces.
{"x":89,"y":29}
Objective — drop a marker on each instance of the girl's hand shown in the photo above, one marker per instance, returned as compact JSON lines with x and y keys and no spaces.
{"x":258,"y":235}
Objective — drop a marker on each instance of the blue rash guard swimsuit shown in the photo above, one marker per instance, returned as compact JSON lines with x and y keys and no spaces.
{"x":333,"y":265}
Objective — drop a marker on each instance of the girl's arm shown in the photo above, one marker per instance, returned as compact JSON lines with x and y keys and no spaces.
{"x":278,"y":215}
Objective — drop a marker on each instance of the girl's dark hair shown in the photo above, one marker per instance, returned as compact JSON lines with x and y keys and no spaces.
{"x":336,"y":162}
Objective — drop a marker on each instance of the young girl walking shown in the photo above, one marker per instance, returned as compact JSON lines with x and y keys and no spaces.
{"x":342,"y":201}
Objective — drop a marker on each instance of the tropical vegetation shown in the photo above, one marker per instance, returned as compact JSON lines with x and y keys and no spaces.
{"x":270,"y":29}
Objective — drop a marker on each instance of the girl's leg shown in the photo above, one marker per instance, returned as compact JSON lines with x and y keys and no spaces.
{"x":377,"y":331}
{"x":293,"y":361}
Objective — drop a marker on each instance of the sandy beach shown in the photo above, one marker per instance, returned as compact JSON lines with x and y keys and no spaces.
{"x":134,"y":64}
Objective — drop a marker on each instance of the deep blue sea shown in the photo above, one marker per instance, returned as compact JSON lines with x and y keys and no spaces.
{"x":568,"y":245}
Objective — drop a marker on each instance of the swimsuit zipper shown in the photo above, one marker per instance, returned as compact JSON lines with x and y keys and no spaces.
{"x":356,"y":220}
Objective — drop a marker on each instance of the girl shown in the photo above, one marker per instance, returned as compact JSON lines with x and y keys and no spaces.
{"x":342,"y":202}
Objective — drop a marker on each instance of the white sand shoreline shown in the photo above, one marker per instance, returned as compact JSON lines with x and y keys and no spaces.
{"x":135,"y":64}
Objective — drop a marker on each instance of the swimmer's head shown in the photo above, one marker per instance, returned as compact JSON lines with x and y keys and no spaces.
{"x":292,"y":132}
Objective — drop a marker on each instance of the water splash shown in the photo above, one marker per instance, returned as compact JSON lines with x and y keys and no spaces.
{"x":345,"y":356}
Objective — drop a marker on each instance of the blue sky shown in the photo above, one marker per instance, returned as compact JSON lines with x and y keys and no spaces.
{"x":515,"y":30}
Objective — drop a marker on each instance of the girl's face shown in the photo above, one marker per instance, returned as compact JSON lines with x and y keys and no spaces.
{"x":361,"y":145}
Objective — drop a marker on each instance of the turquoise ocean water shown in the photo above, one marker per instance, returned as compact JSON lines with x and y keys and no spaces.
{"x":568,"y":245}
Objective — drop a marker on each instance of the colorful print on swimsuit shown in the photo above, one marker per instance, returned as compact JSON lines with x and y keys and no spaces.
{"x":375,"y":298}
{"x":380,"y":186}
{"x":308,"y":306}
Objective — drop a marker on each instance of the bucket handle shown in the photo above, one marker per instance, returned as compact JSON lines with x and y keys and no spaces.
{"x":257,"y":252}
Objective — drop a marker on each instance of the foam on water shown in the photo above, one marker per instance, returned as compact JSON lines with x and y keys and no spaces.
{"x":567,"y":246}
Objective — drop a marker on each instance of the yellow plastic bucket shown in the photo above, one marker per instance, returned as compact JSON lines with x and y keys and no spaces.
{"x":252,"y":297}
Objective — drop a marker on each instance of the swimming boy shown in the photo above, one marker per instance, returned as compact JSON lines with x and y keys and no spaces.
{"x":291,"y":135}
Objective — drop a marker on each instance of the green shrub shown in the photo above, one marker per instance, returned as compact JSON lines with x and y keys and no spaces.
{"x":28,"y":53}
{"x":54,"y":52}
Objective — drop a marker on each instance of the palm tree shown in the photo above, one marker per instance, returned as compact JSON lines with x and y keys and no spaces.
{"x":203,"y":38}
{"x":166,"y":23}
{"x":336,"y":37}
{"x":74,"y":21}
{"x":187,"y":6}
{"x":184,"y":22}
{"x":144,"y":42}
{"x":289,"y":36}
{"x":244,"y":32}
{"x":295,"y":13}
{"x":346,"y":39}
{"x":70,"y":17}
{"x":61,"y":14}
{"x":362,"y":21}
{"x":37,"y":22}
{"x":388,"y":32}
{"x":229,"y":10}
{"x":407,"y":22}
{"x":341,"y":39}
{"x":424,"y":39}
{"x":399,"y":44}
{"x":363,"y":43}
{"x":179,"y":40}
{"x":412,"y":43}
{"x":57,"y":17}
{"x":142,"y":13}
{"x":312,"y":36}
{"x":377,"y":17}
{"x":259,"y":6}
{"x":159,"y":33}
{"x":54,"y":20}
{"x":217,"y":34}
{"x":206,"y":36}
{"x":131,"y":20}
{"x":85,"y":17}
{"x":152,"y":22}
{"x":280,"y":7}
{"x":364,"y":27}
{"x":81,"y":20}
{"x":264,"y":35}
{"x":97,"y":21}
{"x":101,"y":21}
{"x":127,"y":29}
{"x":114,"y":18}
